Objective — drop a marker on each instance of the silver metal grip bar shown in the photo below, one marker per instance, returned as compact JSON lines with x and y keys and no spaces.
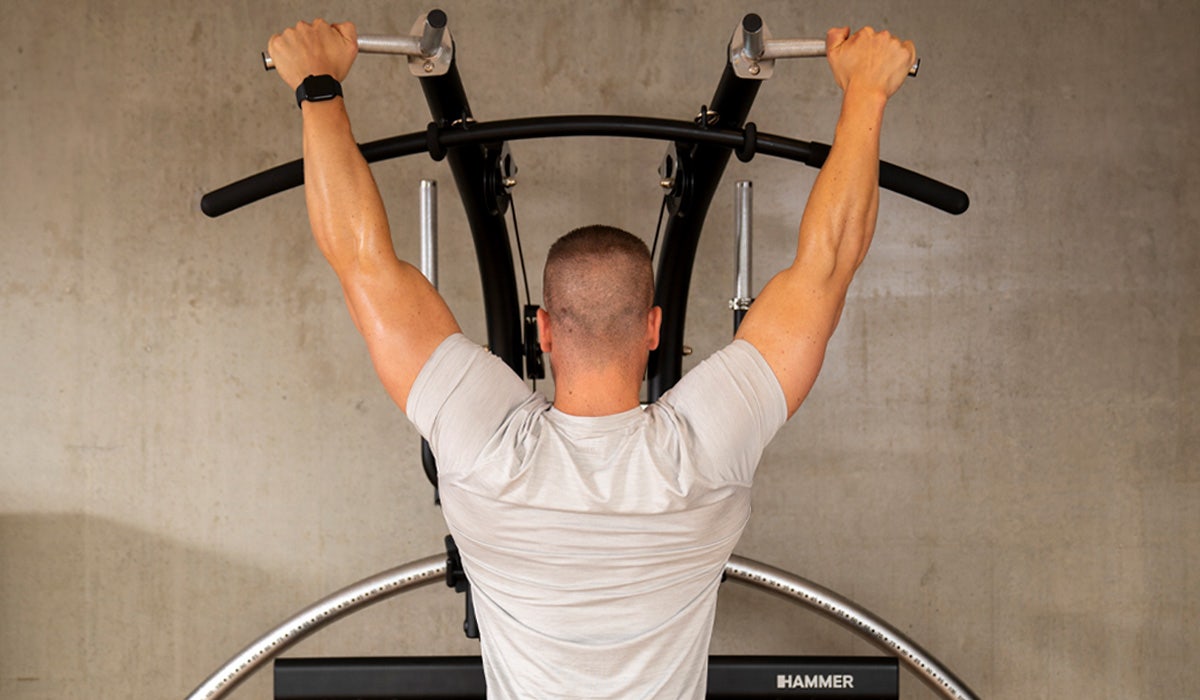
{"x":429,"y":48}
{"x":376,"y":43}
{"x":752,"y":51}
{"x":792,"y":48}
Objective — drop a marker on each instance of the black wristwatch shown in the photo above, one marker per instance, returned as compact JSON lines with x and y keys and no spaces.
{"x":318,"y":88}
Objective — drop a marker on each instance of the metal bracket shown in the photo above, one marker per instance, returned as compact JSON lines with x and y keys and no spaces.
{"x":499,"y":177}
{"x":435,"y":46}
{"x":676,"y":179}
{"x":746,"y":49}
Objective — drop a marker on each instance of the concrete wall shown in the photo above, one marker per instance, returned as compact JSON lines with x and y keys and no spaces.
{"x":1001,"y":458}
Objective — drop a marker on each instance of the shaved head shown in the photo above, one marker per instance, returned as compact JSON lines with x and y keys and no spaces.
{"x":598,"y":287}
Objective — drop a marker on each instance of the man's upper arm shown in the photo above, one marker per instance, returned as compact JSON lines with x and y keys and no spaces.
{"x":790,"y":324}
{"x":402,"y":318}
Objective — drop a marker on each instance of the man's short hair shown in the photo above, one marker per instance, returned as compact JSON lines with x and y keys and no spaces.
{"x":598,"y":286}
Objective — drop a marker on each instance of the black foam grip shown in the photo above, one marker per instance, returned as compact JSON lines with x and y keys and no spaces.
{"x":906,"y":182}
{"x":251,"y":189}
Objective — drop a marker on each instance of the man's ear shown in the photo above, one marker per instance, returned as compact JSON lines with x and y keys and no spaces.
{"x":543,"y":325}
{"x":653,"y":327}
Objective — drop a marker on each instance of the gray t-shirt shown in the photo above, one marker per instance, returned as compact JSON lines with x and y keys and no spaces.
{"x":595,"y":545}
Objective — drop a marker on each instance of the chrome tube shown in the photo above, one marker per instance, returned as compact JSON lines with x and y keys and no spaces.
{"x":854,"y":618}
{"x":432,"y":33}
{"x":429,"y":224}
{"x":753,"y":38}
{"x":350,"y":599}
{"x":743,"y":223}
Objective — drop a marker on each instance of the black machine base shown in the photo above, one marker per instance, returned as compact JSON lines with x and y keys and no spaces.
{"x":461,"y":678}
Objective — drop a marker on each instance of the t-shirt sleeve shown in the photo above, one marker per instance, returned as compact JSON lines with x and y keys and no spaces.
{"x":462,"y":396}
{"x":731,"y":405}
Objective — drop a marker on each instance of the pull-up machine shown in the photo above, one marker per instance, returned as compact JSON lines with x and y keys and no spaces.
{"x":480,"y":160}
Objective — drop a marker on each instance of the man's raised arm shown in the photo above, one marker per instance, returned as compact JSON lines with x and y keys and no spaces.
{"x":398,"y":312}
{"x":792,"y":320}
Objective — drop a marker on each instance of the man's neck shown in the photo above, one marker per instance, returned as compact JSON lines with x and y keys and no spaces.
{"x":599,"y":393}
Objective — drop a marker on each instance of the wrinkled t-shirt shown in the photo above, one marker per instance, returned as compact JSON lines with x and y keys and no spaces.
{"x":595,"y":545}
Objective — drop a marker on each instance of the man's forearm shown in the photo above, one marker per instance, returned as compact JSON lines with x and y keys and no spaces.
{"x":344,"y":208}
{"x":839,"y":219}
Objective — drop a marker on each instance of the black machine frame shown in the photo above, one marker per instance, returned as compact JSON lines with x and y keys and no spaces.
{"x":478,"y":156}
{"x":701,"y":151}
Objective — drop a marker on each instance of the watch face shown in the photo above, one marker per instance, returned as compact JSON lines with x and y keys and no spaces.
{"x":317,"y":88}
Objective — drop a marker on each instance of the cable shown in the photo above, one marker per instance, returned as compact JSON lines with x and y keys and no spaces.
{"x":512,"y":205}
{"x":658,"y":227}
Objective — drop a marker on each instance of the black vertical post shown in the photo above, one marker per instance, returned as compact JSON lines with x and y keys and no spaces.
{"x":738,"y":315}
{"x":471,"y":169}
{"x":702,"y":166}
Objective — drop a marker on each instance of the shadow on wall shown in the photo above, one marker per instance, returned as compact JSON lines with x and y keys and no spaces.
{"x":93,"y":608}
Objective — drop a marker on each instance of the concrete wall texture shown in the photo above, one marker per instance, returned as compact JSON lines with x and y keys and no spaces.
{"x":1001,"y":457}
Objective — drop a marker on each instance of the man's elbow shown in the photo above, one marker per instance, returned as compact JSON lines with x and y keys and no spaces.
{"x":828,"y":276}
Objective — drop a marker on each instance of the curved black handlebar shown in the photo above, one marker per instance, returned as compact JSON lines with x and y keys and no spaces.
{"x":746,"y":142}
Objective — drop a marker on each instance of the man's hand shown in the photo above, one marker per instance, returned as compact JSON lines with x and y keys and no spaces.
{"x":319,"y":48}
{"x":868,"y":59}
